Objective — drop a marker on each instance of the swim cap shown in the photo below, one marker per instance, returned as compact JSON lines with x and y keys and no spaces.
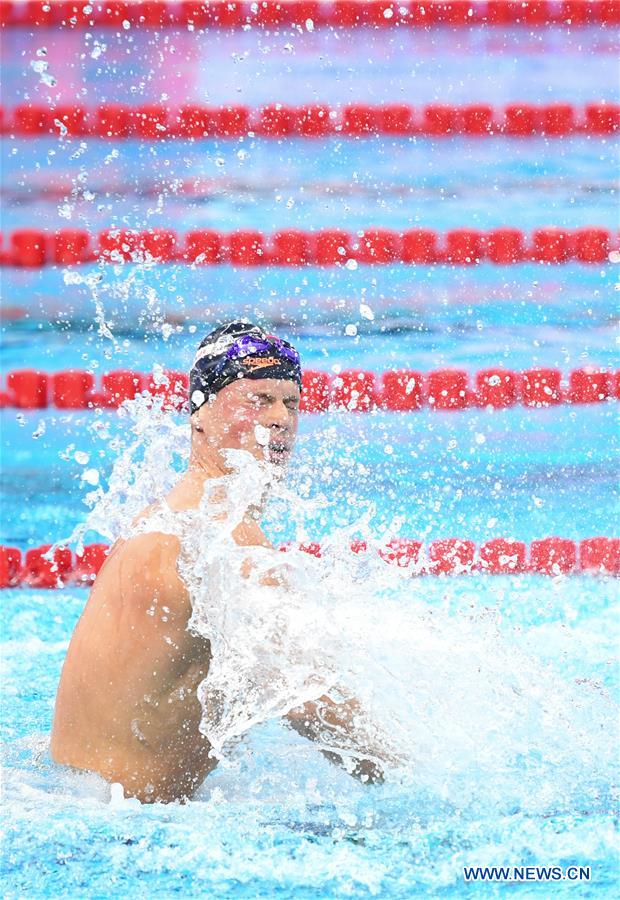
{"x":239,"y":350}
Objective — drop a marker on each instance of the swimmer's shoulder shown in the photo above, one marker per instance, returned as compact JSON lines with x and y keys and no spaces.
{"x":150,"y":552}
{"x":144,"y":565}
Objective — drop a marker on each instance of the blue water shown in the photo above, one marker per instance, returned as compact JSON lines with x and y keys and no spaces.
{"x":446,"y":474}
{"x":281,"y":822}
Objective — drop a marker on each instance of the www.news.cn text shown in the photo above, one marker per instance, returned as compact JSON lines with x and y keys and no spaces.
{"x":526,"y":873}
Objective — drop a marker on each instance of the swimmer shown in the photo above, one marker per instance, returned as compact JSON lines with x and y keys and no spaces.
{"x":127,"y":705}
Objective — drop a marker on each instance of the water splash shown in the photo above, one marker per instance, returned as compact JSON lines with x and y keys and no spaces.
{"x":153,"y":449}
{"x":474,"y":722}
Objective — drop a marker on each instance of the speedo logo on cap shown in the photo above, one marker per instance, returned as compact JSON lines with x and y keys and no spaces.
{"x":260,"y":362}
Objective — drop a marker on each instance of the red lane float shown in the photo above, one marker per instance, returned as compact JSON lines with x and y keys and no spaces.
{"x":500,"y":556}
{"x":32,"y":248}
{"x":306,"y":15}
{"x":354,"y":390}
{"x":154,"y":122}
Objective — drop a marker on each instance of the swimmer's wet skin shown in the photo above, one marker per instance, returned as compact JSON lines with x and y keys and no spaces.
{"x":127,"y":705}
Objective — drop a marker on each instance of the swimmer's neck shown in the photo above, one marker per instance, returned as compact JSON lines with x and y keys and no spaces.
{"x":207,"y":462}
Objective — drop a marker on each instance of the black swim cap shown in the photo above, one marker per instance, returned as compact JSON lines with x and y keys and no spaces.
{"x":239,"y":350}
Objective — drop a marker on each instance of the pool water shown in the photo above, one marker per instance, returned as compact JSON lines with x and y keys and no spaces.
{"x":277,"y":820}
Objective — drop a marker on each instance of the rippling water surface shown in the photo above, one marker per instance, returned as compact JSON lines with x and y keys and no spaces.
{"x":501,"y":693}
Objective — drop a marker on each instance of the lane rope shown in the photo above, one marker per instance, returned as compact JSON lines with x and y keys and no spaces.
{"x":252,"y":187}
{"x":306,"y":15}
{"x":501,"y":556}
{"x":354,"y":390}
{"x":155,"y":122}
{"x":32,"y":248}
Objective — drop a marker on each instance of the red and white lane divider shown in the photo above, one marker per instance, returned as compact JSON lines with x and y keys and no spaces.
{"x":318,"y":120}
{"x":356,"y":390}
{"x":305,"y":15}
{"x":31,"y":248}
{"x":500,"y":556}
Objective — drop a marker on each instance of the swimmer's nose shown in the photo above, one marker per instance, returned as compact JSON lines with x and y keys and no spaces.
{"x":279,"y":415}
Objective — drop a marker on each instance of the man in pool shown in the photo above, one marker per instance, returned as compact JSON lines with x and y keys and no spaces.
{"x":127,"y":705}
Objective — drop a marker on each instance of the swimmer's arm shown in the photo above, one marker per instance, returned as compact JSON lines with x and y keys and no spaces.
{"x":335,"y":725}
{"x":326,"y":722}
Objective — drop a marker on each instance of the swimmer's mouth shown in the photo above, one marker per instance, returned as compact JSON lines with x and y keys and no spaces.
{"x":279,"y":452}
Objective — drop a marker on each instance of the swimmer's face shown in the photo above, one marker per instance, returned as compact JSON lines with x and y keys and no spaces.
{"x":257,"y":415}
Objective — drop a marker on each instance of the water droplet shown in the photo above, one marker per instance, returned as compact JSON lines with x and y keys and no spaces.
{"x":198,"y":398}
{"x":62,"y":128}
{"x":262,"y":435}
{"x":98,"y":49}
{"x":81,"y":457}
